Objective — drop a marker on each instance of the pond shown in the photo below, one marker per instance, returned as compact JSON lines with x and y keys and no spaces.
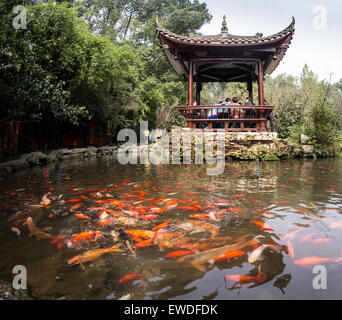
{"x":177,"y":232}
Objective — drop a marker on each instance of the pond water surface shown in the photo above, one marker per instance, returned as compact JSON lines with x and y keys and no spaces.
{"x":294,"y":207}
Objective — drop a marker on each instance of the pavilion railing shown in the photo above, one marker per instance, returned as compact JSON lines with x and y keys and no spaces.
{"x":228,"y":117}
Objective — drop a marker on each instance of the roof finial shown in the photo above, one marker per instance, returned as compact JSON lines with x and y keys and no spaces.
{"x":224,"y":29}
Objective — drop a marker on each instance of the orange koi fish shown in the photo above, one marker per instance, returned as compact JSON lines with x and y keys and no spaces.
{"x":290,"y":249}
{"x":241,"y":279}
{"x":147,"y":217}
{"x":86,"y":236}
{"x":162,"y":199}
{"x":229,"y":255}
{"x":81,"y":216}
{"x":145,"y":234}
{"x":262,"y":225}
{"x":203,"y":216}
{"x":234,"y":210}
{"x":161,"y":226}
{"x":72,"y":200}
{"x":291,"y":234}
{"x":146,"y":243}
{"x":130,"y":277}
{"x":308,"y":237}
{"x":188,"y":208}
{"x":158,"y":210}
{"x":58,"y":238}
{"x":76,"y":206}
{"x":106,"y":222}
{"x":239,"y":195}
{"x":177,"y":254}
{"x":310,"y":261}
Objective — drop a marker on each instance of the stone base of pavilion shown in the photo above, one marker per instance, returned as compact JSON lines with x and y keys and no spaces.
{"x":238,"y":145}
{"x":235,"y":136}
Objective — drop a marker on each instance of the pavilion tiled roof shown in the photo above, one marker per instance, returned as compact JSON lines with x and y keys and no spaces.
{"x":225,"y":38}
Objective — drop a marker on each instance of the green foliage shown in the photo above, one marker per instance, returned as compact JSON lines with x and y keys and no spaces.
{"x":270,"y":157}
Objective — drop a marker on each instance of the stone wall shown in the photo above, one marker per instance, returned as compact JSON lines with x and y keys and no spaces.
{"x":39,"y":158}
{"x":243,"y":145}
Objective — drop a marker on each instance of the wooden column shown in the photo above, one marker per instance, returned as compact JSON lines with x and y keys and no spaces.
{"x":261,"y":83}
{"x":250,"y":88}
{"x":190,"y":84}
{"x":261,"y":126}
{"x":198,"y":92}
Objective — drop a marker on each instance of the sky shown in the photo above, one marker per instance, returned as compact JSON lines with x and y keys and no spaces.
{"x":317,"y":40}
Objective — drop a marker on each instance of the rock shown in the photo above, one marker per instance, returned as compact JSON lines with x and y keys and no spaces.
{"x":79,"y":150}
{"x":66,"y":151}
{"x":17,"y":164}
{"x":304,"y":139}
{"x":35,"y":158}
{"x":308,"y":149}
{"x":55,"y":155}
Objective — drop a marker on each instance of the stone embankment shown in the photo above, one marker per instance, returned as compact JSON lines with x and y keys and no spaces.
{"x":39,"y":158}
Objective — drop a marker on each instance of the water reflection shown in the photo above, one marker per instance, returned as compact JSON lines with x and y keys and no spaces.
{"x":295,"y":205}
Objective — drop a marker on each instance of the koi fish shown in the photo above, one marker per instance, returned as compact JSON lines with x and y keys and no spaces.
{"x":45,"y":200}
{"x":241,"y":279}
{"x":158,"y":210}
{"x":146,"y":243}
{"x":84,"y":236}
{"x":177,"y":254}
{"x":16,"y":230}
{"x":208,"y":227}
{"x":72,"y":200}
{"x":230,"y":255}
{"x":308,"y":237}
{"x":198,"y":260}
{"x":257,"y":253}
{"x":203,"y":216}
{"x":262,"y":225}
{"x":188,"y":208}
{"x":81,"y":216}
{"x":309,"y":261}
{"x":322,"y":240}
{"x":291,"y":234}
{"x":234,"y":210}
{"x":144,"y":234}
{"x":75,"y":206}
{"x":147,"y":217}
{"x":290,"y":250}
{"x":58,"y":238}
{"x":91,"y":255}
{"x":161,"y":226}
{"x":130,"y":277}
{"x":36,"y":232}
{"x":239,"y":195}
{"x":203,"y":244}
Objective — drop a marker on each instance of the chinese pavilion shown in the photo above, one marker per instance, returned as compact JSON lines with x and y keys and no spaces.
{"x":225,"y":58}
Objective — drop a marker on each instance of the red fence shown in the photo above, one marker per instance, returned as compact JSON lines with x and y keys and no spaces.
{"x":17,"y":137}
